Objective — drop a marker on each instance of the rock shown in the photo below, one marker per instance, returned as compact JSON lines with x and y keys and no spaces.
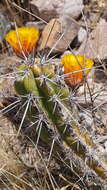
{"x":57,"y":36}
{"x":40,"y":25}
{"x":58,"y":8}
{"x":104,"y":13}
{"x":95,"y":46}
{"x":4,"y":26}
{"x":8,"y":65}
{"x":64,"y":29}
{"x":72,"y":9}
{"x":81,"y":34}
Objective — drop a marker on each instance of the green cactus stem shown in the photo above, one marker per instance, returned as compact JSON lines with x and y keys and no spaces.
{"x":40,"y":81}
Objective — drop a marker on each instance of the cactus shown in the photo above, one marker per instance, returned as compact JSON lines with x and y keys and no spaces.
{"x":49,"y":98}
{"x":52,"y":100}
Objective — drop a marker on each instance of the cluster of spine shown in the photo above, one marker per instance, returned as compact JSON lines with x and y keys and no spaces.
{"x":51,"y":100}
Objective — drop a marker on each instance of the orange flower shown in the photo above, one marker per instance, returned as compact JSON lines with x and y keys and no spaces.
{"x":23,"y":40}
{"x":76,"y":67}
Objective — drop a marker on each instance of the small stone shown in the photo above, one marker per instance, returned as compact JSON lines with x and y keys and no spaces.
{"x":82,"y":35}
{"x":40,"y":25}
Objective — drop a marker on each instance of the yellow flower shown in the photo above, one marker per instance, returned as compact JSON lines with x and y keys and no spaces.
{"x":23,"y":40}
{"x":75,"y":68}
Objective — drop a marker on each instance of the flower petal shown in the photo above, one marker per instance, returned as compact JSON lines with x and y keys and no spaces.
{"x":23,"y":40}
{"x":76,"y":67}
